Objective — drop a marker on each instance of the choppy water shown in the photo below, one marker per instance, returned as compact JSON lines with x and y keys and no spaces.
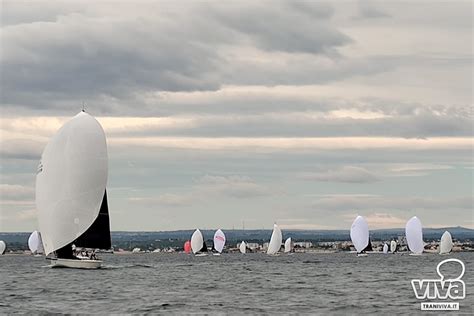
{"x":230,"y":284}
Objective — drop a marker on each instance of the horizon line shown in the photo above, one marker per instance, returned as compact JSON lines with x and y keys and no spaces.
{"x":240,"y":229}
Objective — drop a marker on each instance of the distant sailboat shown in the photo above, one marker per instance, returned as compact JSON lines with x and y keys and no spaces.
{"x":414,"y":235}
{"x":288,"y":245}
{"x":385,"y":248}
{"x":70,"y":192}
{"x":275,"y":241}
{"x":187,"y":246}
{"x":393,"y":246}
{"x":3,"y":247}
{"x":446,"y":243}
{"x":360,"y":235}
{"x":35,"y":244}
{"x":198,"y":245}
{"x":204,"y":247}
{"x":219,"y":241}
{"x":243,"y":247}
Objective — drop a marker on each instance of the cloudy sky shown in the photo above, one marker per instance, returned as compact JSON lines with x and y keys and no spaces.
{"x":242,"y":113}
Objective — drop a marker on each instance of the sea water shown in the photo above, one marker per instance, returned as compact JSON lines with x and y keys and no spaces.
{"x":300,"y":283}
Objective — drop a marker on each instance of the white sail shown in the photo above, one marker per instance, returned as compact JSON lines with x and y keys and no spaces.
{"x":275,"y":241}
{"x":35,"y":244}
{"x":446,"y":243}
{"x":360,"y":234}
{"x":219,"y":240}
{"x":288,"y":245}
{"x":385,"y":248}
{"x":414,"y":235}
{"x":197,"y":241}
{"x":243,"y":247}
{"x":71,"y":181}
{"x":3,"y":247}
{"x":393,"y":246}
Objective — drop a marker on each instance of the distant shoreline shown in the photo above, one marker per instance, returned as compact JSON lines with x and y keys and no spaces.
{"x":262,"y":230}
{"x":312,"y":239}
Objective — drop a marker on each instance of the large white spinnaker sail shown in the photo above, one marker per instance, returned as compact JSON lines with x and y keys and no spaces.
{"x":243,"y":247}
{"x":35,"y":244}
{"x":3,"y":247}
{"x":288,"y":245}
{"x":360,"y":234}
{"x":385,"y":248}
{"x":414,"y":235}
{"x":275,"y":241}
{"x":71,"y":180}
{"x":219,"y":240}
{"x":197,"y":241}
{"x":446,"y":243}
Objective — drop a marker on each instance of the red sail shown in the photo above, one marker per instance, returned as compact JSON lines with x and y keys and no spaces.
{"x":187,"y":246}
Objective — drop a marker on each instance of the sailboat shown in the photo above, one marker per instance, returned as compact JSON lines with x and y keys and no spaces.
{"x":243,"y":247}
{"x":3,"y":247}
{"x":446,"y":243}
{"x":393,"y":246}
{"x":414,"y":235}
{"x":187,"y":246}
{"x":219,"y":241}
{"x":385,"y":248}
{"x":369,"y":247}
{"x":71,"y":197}
{"x":288,"y":245}
{"x":275,"y":241}
{"x":360,"y":236}
{"x":35,"y":244}
{"x":198,"y":245}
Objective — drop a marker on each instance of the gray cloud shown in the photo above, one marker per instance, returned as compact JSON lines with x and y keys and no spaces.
{"x":387,"y":203}
{"x":166,"y":200}
{"x":305,"y":125}
{"x":349,"y":174}
{"x":16,"y":192}
{"x":205,"y":188}
{"x":21,"y":149}
{"x":232,"y":186}
{"x":302,"y":30}
{"x":369,"y":10}
{"x":280,"y":71}
{"x":119,"y":56}
{"x":116,"y":59}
